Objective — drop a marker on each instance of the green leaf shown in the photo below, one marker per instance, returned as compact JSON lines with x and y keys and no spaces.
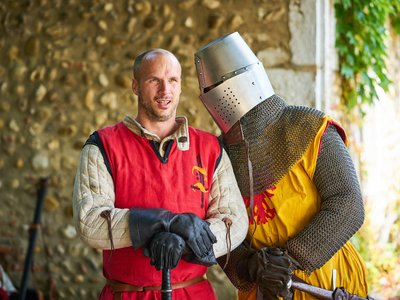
{"x":360,"y":42}
{"x":346,"y":71}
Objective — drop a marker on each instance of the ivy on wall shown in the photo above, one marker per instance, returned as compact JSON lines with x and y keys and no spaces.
{"x":360,"y":41}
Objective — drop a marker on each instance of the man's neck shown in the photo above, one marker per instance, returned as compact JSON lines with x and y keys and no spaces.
{"x":161,"y":129}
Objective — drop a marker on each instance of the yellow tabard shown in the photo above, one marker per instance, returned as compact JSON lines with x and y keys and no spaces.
{"x":285,"y":209}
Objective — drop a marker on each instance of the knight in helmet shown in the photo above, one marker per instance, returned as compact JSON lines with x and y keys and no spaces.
{"x":296,"y":177}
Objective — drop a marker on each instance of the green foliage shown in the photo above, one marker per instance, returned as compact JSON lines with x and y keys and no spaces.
{"x":382,"y":262}
{"x":395,"y":17}
{"x":360,"y":42}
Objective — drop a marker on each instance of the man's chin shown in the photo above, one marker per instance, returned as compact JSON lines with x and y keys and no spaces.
{"x":163,"y":117}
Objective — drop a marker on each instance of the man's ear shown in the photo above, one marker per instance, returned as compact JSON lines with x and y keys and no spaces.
{"x":135,"y":86}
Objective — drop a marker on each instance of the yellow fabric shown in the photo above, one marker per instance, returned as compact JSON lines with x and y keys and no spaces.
{"x":291,"y":205}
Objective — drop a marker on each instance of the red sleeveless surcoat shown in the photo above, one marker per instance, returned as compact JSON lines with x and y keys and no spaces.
{"x":180,"y":183}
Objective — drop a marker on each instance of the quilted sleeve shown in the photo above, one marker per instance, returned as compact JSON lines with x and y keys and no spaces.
{"x":226,"y":205}
{"x":97,"y":221}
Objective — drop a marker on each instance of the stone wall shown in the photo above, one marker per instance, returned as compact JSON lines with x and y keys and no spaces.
{"x":65,"y":70}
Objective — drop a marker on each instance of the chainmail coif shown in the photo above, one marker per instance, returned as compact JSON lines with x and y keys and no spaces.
{"x":278,"y":135}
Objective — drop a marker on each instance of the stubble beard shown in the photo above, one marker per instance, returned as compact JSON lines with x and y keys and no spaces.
{"x":152,"y":114}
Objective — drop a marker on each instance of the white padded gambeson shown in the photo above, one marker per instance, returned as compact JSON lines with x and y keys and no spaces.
{"x":94,"y":193}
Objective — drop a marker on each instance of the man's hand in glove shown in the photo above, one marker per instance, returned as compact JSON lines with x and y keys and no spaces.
{"x":271,"y":269}
{"x":207,"y":260}
{"x":195,"y":231}
{"x":165,"y":250}
{"x":145,"y":223}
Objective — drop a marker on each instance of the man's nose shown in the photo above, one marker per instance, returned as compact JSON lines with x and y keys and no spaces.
{"x":164,"y":86}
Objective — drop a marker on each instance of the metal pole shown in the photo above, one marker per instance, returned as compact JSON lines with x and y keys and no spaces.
{"x":41,"y":193}
{"x":166,"y":287}
{"x":313,"y":290}
{"x":323,"y":294}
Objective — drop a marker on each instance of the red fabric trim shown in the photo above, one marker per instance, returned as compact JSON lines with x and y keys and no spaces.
{"x":3,"y":294}
{"x":339,"y":129}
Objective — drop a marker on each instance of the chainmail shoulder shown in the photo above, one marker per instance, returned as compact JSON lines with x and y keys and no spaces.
{"x":277,"y":134}
{"x":342,"y":209}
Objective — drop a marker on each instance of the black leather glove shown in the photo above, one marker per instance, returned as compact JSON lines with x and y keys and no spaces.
{"x":165,"y":250}
{"x":144,"y":223}
{"x":195,"y":231}
{"x":271,"y":269}
{"x":207,"y":260}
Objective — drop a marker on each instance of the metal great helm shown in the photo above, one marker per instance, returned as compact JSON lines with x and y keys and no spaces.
{"x":232,"y":80}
